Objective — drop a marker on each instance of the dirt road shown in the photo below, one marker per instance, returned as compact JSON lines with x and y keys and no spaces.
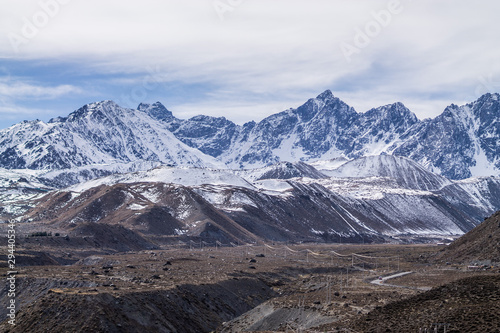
{"x":381,"y":281}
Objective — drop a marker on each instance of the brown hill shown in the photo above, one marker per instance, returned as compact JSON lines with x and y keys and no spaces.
{"x":187,"y":308}
{"x":113,"y":237}
{"x":479,"y":244}
{"x":150,"y":209}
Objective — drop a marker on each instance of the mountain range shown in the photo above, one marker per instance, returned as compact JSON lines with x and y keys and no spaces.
{"x":320,"y":172}
{"x":460,"y":143}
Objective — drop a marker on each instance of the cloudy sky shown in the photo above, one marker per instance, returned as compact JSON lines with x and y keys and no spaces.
{"x":244,"y":59}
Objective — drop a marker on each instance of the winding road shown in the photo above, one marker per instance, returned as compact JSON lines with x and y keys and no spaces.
{"x":381,"y":281}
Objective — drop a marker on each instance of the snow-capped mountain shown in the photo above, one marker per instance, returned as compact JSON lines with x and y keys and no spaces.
{"x":313,"y":130}
{"x":282,"y":170}
{"x":461,"y":142}
{"x":316,"y":172}
{"x":98,"y":133}
{"x":323,"y":128}
{"x":211,"y":135}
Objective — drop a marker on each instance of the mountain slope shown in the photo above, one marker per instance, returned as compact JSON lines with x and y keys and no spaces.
{"x":153,"y":209}
{"x":322,"y":128}
{"x":282,"y":170}
{"x":211,"y":135}
{"x":463,"y":141}
{"x":481,"y":243}
{"x":476,"y":197}
{"x":18,"y":189}
{"x":218,"y":204}
{"x":186,"y":176}
{"x":406,"y":172}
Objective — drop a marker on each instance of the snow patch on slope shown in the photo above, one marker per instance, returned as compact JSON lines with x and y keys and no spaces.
{"x":404,"y":171}
{"x":180,"y":175}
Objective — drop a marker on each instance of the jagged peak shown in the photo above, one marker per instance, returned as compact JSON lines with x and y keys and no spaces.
{"x":58,"y":120}
{"x":156,"y":110}
{"x":327,"y":98}
{"x":145,"y":106}
{"x":487,"y":100}
{"x":326,"y":95}
{"x":394,"y":110}
{"x":250,"y":124}
{"x":489,"y":97}
{"x":450,"y":110}
{"x":202,"y":117}
{"x":103,"y":106}
{"x":324,"y":102}
{"x":392,"y":106}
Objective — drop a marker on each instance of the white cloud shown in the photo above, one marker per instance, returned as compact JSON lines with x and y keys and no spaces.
{"x":16,"y":92}
{"x":10,"y":89}
{"x":430,"y":53}
{"x":10,"y":111}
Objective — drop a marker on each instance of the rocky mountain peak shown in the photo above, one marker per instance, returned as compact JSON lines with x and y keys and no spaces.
{"x":324,"y":105}
{"x":393,"y":112}
{"x":156,"y":110}
{"x":99,"y":109}
{"x":325,"y":95}
{"x":489,"y":97}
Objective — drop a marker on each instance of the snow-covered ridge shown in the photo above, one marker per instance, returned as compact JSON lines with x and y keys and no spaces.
{"x":185,"y":176}
{"x":404,"y":171}
{"x":98,"y":133}
{"x":282,"y":170}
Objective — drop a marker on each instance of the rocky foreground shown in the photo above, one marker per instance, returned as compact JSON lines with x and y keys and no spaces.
{"x":309,"y":287}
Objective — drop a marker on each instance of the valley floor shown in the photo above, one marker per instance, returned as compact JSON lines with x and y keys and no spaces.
{"x":274,"y":287}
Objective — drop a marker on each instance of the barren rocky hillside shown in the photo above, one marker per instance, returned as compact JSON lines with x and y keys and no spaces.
{"x":480,"y":244}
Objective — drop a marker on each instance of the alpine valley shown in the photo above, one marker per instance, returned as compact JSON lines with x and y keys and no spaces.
{"x":321,"y":172}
